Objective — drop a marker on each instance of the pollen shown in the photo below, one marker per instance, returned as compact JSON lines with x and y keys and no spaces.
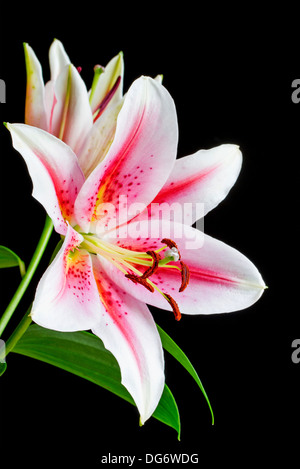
{"x":153,"y":268}
{"x":185,"y":276}
{"x":141,"y":281}
{"x":174,"y":306}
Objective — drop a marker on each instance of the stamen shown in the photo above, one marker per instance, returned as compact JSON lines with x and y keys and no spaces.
{"x":129,"y":261}
{"x":174,"y":305}
{"x":153,"y":268}
{"x":141,"y":281}
{"x":185,"y":276}
{"x":171,"y":244}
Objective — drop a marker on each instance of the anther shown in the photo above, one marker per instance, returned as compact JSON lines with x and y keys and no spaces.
{"x":153,"y":268}
{"x":185,"y":276}
{"x":141,"y":281}
{"x":174,"y":306}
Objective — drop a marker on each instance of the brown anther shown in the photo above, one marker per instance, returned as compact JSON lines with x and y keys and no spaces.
{"x":175,"y":307}
{"x":185,"y":276}
{"x":171,"y":244}
{"x":153,"y":268}
{"x":132,"y":277}
{"x":141,"y":281}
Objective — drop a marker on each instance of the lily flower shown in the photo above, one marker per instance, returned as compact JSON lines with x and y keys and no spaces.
{"x":83,"y":119}
{"x":112,"y":261}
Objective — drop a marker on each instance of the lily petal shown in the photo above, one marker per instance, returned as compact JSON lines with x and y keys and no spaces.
{"x":50,"y":102}
{"x":128,"y":330}
{"x":54,"y":170}
{"x":99,"y":139}
{"x":198,"y":182}
{"x":72,"y":117}
{"x":105,"y":81}
{"x":58,"y":59}
{"x":35,"y":110}
{"x":221,"y":278}
{"x":139,"y":160}
{"x":67,"y":297}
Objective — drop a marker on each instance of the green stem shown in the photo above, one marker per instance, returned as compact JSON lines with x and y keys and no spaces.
{"x":45,"y":236}
{"x":18,"y":332}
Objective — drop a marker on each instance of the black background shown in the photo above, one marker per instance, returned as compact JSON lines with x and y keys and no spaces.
{"x":230,"y":75}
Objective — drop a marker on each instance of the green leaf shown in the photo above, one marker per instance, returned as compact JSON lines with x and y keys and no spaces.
{"x":3,"y":367}
{"x":9,"y":259}
{"x":84,"y":355}
{"x":179,"y":355}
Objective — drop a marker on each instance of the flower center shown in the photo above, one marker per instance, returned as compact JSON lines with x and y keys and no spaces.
{"x":139,"y":266}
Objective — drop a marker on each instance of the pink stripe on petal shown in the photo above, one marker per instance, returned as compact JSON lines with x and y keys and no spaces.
{"x":221,"y":278}
{"x":107,"y":99}
{"x":129,"y":332}
{"x":139,"y":160}
{"x":72,"y":116}
{"x":202,"y":178}
{"x":104,"y":80}
{"x":54,"y":170}
{"x":211,"y":276}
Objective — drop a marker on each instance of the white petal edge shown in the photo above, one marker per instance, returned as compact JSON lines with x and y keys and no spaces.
{"x":35,"y":107}
{"x":58,"y":58}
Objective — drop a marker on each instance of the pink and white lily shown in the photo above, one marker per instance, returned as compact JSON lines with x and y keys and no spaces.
{"x":110,"y":265}
{"x":83,"y":119}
